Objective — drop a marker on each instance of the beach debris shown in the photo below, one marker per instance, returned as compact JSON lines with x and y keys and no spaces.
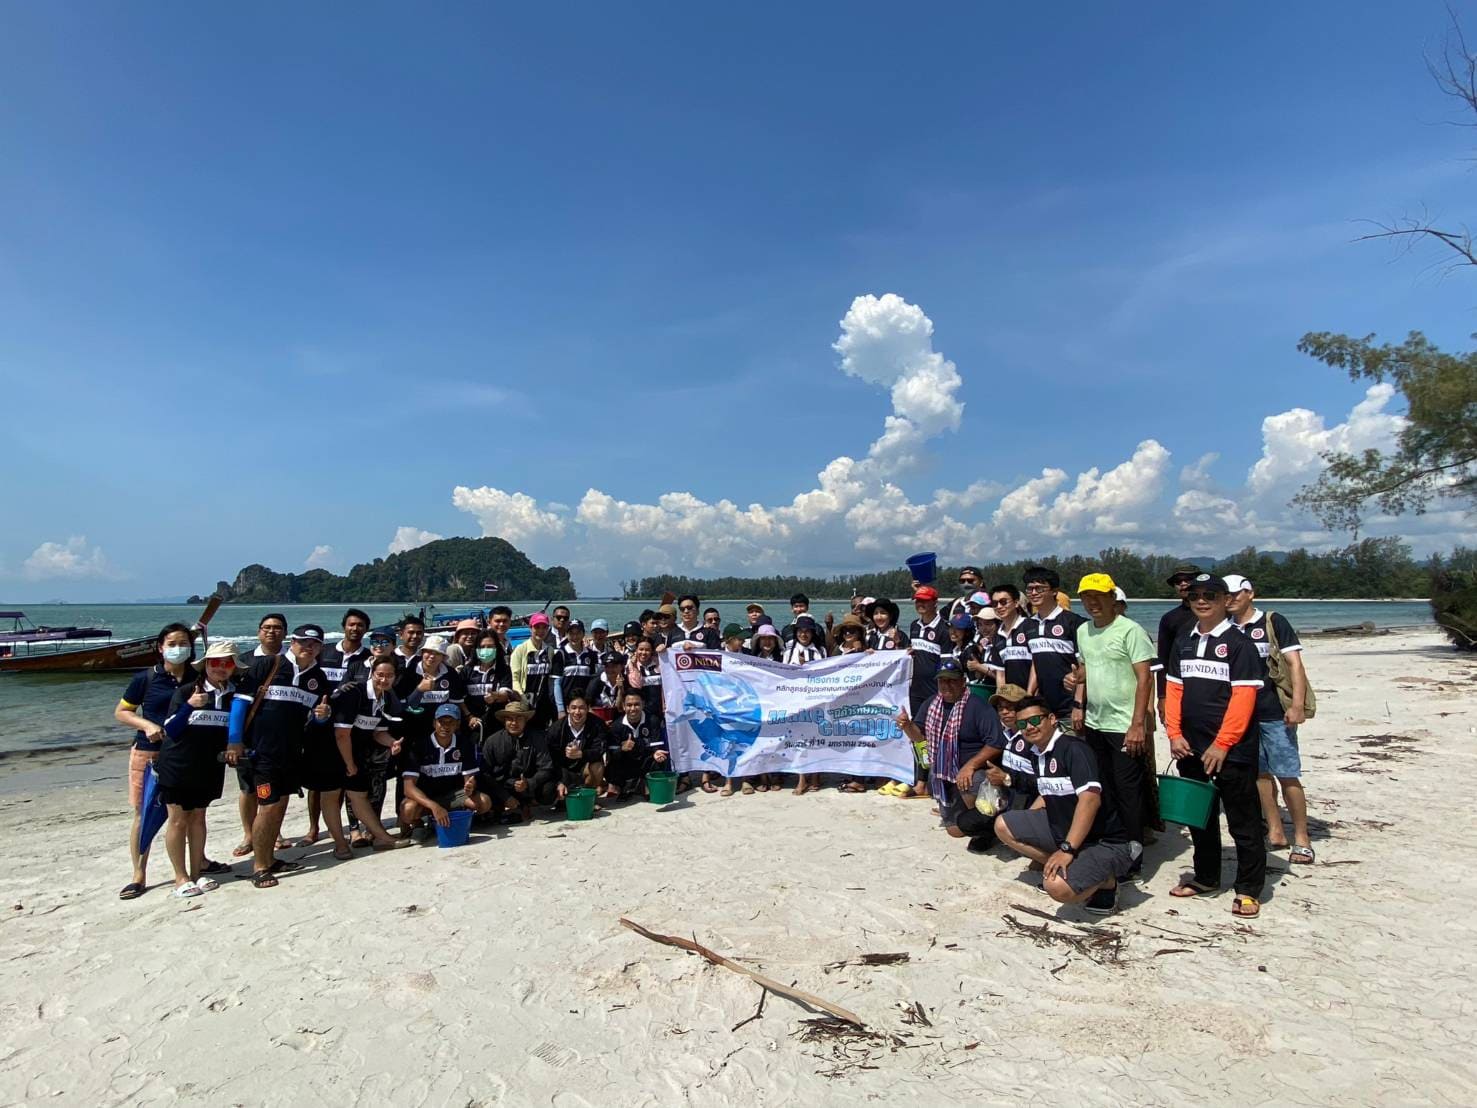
{"x":915,"y":1013}
{"x":850,"y":1047}
{"x":759,"y":1011}
{"x":692,"y":946}
{"x":868,"y":960}
{"x":1103,"y":945}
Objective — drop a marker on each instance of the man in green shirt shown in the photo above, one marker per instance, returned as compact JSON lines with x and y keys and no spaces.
{"x":1112,"y":702}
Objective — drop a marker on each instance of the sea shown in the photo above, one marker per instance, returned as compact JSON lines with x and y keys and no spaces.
{"x":54,"y":712}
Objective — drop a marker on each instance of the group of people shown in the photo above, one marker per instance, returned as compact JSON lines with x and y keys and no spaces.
{"x":1033,"y":725}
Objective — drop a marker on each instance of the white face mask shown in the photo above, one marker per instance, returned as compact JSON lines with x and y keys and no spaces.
{"x":174,"y":655}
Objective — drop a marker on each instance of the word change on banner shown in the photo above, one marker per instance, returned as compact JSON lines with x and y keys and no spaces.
{"x":739,"y":716}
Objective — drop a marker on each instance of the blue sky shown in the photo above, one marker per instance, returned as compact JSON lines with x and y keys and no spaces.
{"x":273,"y":280}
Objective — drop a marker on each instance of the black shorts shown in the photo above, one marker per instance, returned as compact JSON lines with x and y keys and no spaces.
{"x":272,"y":786}
{"x":190,"y":799}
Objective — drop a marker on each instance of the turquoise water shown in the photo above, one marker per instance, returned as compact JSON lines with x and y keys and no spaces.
{"x":40,"y":712}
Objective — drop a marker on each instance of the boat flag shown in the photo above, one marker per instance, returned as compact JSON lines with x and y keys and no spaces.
{"x":488,"y":587}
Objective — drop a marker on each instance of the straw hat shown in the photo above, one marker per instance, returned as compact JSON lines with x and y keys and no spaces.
{"x":515,"y":710}
{"x":221,"y":648}
{"x":436,"y":644}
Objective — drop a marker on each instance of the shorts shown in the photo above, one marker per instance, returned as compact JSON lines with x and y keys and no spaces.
{"x":1090,"y":866}
{"x":272,"y":787}
{"x":137,"y":760}
{"x":1279,"y":749}
{"x":190,"y":799}
{"x":452,"y":802}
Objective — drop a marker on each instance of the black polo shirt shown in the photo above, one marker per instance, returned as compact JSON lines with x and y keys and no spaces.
{"x":1065,"y":770}
{"x":1207,"y":668}
{"x":149,"y":694}
{"x":336,"y":664}
{"x":1011,"y":655}
{"x":878,"y":640}
{"x":442,"y":771}
{"x":1019,"y":760}
{"x":709,"y":638}
{"x":286,"y":707}
{"x":1171,"y":623}
{"x":1052,"y":640}
{"x":1268,"y":703}
{"x":928,"y":642}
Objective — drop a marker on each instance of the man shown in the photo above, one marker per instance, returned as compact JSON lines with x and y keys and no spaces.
{"x":1051,"y":636}
{"x":1069,"y":830}
{"x":971,"y":579}
{"x":689,"y":629}
{"x":757,"y":619}
{"x":560,"y":628}
{"x":961,"y":731}
{"x":338,"y":660}
{"x":1111,"y":703}
{"x":664,"y":617}
{"x":636,"y":746}
{"x":412,"y":633}
{"x":279,"y":697}
{"x":533,"y":664}
{"x":929,"y":638}
{"x":577,"y":747}
{"x":799,"y":606}
{"x":516,"y":768}
{"x":713,"y":619}
{"x":1277,"y":723}
{"x":1011,"y":656}
{"x":500,"y":619}
{"x":1173,"y":622}
{"x":271,"y":633}
{"x":574,"y":665}
{"x":600,"y":637}
{"x":442,"y":775}
{"x":1213,"y":675}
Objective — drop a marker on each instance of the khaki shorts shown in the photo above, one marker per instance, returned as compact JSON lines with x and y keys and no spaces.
{"x":137,"y":760}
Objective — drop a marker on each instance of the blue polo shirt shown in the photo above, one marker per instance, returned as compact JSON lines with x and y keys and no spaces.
{"x":149,"y":694}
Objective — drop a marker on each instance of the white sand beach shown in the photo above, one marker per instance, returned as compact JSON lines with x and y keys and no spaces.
{"x":497,"y":973}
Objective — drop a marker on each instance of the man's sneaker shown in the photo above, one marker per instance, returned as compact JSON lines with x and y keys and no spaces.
{"x":1104,"y":902}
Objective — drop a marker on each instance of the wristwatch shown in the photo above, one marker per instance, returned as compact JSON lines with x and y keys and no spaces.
{"x":1066,"y":847}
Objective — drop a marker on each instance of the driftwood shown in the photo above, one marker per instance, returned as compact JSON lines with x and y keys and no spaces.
{"x":692,"y":946}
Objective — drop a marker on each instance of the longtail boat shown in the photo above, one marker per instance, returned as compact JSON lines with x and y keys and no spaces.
{"x":127,"y":655}
{"x":23,"y":631}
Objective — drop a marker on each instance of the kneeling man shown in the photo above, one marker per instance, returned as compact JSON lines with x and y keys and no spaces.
{"x":442,"y":774}
{"x":1077,"y":839}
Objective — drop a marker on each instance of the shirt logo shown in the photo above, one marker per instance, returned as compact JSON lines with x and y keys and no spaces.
{"x":441,"y":684}
{"x":1057,"y":630}
{"x":1221,"y":650}
{"x":1020,"y":638}
{"x":1051,"y":766}
{"x":312,"y":684}
{"x":1258,"y":633}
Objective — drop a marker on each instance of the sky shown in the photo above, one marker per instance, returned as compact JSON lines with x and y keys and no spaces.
{"x":673,"y":288}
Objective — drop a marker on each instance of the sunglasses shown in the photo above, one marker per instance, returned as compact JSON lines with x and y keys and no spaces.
{"x":1201,"y":594}
{"x":687,"y":607}
{"x":229,"y":662}
{"x":1029,"y":721}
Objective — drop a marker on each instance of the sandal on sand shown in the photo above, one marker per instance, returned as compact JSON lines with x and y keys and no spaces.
{"x":890,"y":789}
{"x":131,"y":891}
{"x":1189,"y":887}
{"x":263,"y":879}
{"x":388,"y":844}
{"x":186,"y":889}
{"x":282,"y":865}
{"x":343,"y":853}
{"x":1302,"y":855}
{"x":242,"y":849}
{"x":215,"y":867}
{"x":747,"y":789}
{"x":206,"y":884}
{"x":1247,"y":907}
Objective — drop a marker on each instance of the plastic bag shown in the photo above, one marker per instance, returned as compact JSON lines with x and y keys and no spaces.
{"x":989,"y":800}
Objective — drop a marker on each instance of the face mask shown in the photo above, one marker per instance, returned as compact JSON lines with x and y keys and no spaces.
{"x":485,"y":654}
{"x":176,"y":654}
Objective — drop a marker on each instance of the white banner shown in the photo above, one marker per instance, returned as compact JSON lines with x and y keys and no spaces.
{"x":740,"y":716}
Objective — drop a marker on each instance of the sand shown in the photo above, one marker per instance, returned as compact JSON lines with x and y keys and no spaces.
{"x":497,"y":973}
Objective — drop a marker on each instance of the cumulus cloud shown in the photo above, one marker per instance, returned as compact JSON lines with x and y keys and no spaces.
{"x":320,"y":558}
{"x":73,"y":559}
{"x":858,"y":512}
{"x":408,"y":538}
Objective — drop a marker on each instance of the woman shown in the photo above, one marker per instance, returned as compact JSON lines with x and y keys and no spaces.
{"x":489,"y":679}
{"x":884,"y":634}
{"x":191,"y":767}
{"x":801,"y":652}
{"x":145,"y":707}
{"x":767,"y":643}
{"x":607,"y":689}
{"x":367,"y":717}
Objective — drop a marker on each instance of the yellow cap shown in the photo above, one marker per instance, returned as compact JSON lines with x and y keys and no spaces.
{"x":1096,"y":582}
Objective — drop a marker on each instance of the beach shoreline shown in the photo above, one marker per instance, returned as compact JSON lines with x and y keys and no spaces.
{"x":498,"y":973}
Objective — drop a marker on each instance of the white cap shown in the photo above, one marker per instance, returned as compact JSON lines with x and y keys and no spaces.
{"x":1119,"y":595}
{"x":1235,"y":583}
{"x":986,"y":613}
{"x":436,"y":643}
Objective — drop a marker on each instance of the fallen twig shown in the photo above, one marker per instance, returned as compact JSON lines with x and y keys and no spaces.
{"x":759,"y":1011}
{"x":867,"y":960}
{"x":797,"y":995}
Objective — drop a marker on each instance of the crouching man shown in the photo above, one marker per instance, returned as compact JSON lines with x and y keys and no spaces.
{"x":1078,"y":840}
{"x":635,"y":748}
{"x":441,"y":776}
{"x":516,"y":767}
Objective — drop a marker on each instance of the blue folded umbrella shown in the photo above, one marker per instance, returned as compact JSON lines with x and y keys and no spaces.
{"x":154,"y":812}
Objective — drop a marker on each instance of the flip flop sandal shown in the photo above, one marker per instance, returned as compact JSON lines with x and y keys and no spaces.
{"x":1247,"y":907}
{"x":282,"y":865}
{"x":889,"y":789}
{"x":1302,"y":855}
{"x":241,"y":850}
{"x":343,"y":854}
{"x":215,"y":867}
{"x":131,"y":891}
{"x":206,"y":884}
{"x":1195,"y":888}
{"x":263,"y":879}
{"x":187,"y":889}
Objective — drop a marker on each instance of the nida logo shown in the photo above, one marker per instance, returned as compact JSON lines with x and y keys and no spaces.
{"x":1057,"y":630}
{"x":690,"y":660}
{"x":1020,"y":638}
{"x":1258,"y":633}
{"x":1222,"y":650}
{"x":312,"y":684}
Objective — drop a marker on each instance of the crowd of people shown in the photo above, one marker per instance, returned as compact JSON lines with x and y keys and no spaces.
{"x":1033,"y":726}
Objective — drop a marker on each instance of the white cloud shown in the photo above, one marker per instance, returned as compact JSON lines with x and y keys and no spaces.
{"x":858,"y":514}
{"x":72,"y":559}
{"x":321,"y":557}
{"x":408,"y":538}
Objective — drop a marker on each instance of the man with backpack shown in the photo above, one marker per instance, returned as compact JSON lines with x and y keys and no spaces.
{"x":1284,"y":701}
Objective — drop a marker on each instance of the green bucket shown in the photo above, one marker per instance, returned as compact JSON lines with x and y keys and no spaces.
{"x":580,"y":804}
{"x":1182,"y":800}
{"x":661,"y":788}
{"x":982,"y":692}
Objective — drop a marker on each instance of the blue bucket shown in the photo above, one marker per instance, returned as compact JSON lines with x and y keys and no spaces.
{"x":456,"y":834}
{"x":923,"y":567}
